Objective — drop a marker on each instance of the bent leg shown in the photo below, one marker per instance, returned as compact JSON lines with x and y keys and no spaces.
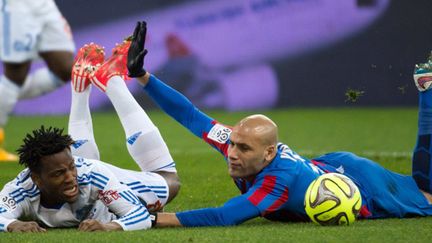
{"x":45,"y":80}
{"x":10,"y":85}
{"x":143,"y":139}
{"x":59,"y":63}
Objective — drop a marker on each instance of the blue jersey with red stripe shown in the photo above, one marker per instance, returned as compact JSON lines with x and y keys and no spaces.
{"x":277,"y":192}
{"x":279,"y":188}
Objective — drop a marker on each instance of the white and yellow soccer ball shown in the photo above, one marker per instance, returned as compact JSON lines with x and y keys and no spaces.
{"x":332,"y":199}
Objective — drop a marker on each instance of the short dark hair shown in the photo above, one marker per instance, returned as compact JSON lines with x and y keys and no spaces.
{"x":42,"y":142}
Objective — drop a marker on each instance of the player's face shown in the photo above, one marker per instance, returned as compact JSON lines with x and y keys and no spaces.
{"x":57,"y":179}
{"x":246,"y":155}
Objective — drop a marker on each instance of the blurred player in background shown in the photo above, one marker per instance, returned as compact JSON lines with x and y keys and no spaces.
{"x":28,"y":29}
{"x":273,"y":178}
{"x":59,"y":189}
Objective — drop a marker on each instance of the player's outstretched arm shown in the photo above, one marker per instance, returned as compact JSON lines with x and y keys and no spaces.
{"x":171,"y":101}
{"x":234,"y":212}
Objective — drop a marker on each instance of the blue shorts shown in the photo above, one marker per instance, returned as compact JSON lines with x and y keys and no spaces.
{"x":385,"y":193}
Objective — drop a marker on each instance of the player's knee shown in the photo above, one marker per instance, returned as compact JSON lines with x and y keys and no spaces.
{"x":173,"y":182}
{"x":63,"y":72}
{"x":60,"y":63}
{"x":17,"y":72}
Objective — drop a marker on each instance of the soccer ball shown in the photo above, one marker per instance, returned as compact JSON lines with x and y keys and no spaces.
{"x":332,"y":199}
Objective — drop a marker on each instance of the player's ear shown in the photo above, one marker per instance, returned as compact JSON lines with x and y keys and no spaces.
{"x":36,"y":178}
{"x":270,"y":153}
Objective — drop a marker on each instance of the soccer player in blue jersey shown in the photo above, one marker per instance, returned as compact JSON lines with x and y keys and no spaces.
{"x":272,"y":178}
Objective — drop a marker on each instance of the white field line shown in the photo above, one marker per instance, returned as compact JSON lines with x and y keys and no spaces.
{"x":306,"y":153}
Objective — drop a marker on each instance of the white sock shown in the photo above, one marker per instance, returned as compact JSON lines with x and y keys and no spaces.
{"x":9,"y":92}
{"x":40,"y":82}
{"x":81,"y":126}
{"x":144,"y":142}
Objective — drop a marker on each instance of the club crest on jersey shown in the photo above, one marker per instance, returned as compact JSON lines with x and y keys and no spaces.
{"x":79,"y":143}
{"x":8,"y":203}
{"x":219,"y":133}
{"x":131,"y":140}
{"x":107,"y":197}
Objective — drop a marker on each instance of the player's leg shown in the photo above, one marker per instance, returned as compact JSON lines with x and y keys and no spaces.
{"x":45,"y":80}
{"x":143,"y":139}
{"x":55,"y":45}
{"x":422,"y":157}
{"x":81,"y":126}
{"x":16,"y":52}
{"x":80,"y":121}
{"x":10,"y":82}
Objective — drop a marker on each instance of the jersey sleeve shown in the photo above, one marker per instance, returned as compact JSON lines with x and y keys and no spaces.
{"x":233,"y":212}
{"x":131,"y":213}
{"x":183,"y":111}
{"x":13,"y":199}
{"x":266,"y":196}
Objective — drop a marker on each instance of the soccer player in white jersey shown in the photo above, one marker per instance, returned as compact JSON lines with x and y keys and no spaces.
{"x":28,"y":29}
{"x":65,"y":184}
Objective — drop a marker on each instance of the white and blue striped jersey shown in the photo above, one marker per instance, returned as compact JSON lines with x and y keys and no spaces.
{"x":107,"y":193}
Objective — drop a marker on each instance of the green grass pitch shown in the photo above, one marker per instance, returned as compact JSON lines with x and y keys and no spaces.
{"x":383,"y":134}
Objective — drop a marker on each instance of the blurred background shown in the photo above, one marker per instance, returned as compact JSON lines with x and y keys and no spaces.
{"x":260,"y":54}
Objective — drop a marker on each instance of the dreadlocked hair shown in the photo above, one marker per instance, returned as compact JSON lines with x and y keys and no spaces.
{"x":42,"y":142}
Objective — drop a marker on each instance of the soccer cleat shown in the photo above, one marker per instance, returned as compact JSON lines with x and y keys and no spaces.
{"x":116,"y":65}
{"x":4,"y":155}
{"x":423,"y":74}
{"x":88,"y":59}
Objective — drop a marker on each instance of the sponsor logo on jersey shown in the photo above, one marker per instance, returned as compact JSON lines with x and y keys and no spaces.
{"x":79,"y":143}
{"x":219,"y":133}
{"x":107,"y":197}
{"x":132,"y":139}
{"x":8,"y":203}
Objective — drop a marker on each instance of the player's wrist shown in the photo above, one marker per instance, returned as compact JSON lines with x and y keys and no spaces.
{"x":153,"y":218}
{"x":144,"y":79}
{"x":112,"y":226}
{"x":137,"y":73}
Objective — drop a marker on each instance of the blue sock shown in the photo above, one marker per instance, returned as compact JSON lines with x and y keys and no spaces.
{"x":421,"y":166}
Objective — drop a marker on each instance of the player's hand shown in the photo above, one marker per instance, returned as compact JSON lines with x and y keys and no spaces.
{"x":94,"y":225}
{"x":21,"y":226}
{"x":137,"y":51}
